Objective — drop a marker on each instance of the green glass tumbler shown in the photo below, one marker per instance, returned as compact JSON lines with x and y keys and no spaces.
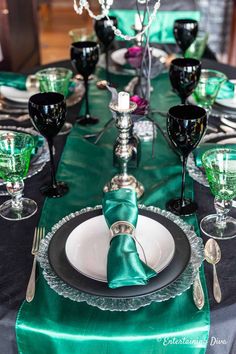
{"x":208,"y":87}
{"x":197,"y":48}
{"x":56,"y":80}
{"x":220,"y":167}
{"x":15,"y":154}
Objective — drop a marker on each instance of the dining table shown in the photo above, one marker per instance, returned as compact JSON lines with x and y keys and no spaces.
{"x":91,"y":164}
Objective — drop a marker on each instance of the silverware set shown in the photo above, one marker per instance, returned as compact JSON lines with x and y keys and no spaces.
{"x":39,"y":234}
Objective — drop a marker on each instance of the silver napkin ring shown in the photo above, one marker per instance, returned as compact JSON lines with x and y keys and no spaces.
{"x":121,"y":228}
{"x":32,"y":83}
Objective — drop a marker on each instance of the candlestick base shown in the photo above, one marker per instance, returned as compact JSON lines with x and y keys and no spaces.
{"x":124,"y":181}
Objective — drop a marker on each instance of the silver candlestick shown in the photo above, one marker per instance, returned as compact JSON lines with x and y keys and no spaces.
{"x":124,"y":151}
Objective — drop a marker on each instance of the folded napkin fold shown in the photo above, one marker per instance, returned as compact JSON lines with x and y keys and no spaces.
{"x":124,"y":267}
{"x":226,"y":91}
{"x":10,"y":79}
{"x":198,"y":152}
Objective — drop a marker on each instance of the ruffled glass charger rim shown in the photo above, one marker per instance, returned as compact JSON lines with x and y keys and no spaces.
{"x":176,"y":288}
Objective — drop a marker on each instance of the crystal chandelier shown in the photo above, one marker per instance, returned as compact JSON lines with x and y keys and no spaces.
{"x":80,"y":5}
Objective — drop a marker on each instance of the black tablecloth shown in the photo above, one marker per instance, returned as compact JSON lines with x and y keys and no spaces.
{"x":16,"y":259}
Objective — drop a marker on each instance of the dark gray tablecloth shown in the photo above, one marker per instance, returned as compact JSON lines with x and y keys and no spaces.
{"x":16,"y":259}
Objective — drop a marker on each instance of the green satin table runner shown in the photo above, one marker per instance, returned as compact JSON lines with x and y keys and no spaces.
{"x":161,"y":30}
{"x":124,"y":267}
{"x":56,"y":325}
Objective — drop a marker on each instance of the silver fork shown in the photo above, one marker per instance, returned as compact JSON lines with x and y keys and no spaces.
{"x":39,"y":233}
{"x":21,"y":118}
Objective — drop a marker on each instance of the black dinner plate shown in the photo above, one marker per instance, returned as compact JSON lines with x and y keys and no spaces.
{"x":61,"y":266}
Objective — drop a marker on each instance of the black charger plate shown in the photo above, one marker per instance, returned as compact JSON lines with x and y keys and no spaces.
{"x":63,"y":269}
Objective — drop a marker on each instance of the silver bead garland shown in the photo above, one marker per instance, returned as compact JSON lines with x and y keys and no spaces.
{"x":105,"y":7}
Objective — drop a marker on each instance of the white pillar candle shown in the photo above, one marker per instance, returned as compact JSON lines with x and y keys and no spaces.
{"x":138,"y":22}
{"x":123,"y":100}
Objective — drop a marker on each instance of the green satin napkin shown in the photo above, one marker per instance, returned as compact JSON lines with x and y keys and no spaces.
{"x":10,"y":79}
{"x":198,"y":152}
{"x":124,"y":267}
{"x":226,"y":91}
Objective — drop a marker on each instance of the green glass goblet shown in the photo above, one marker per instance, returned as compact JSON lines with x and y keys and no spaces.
{"x":220,"y":167}
{"x":56,"y":80}
{"x":208,"y":87}
{"x":197,"y":48}
{"x":15,"y":153}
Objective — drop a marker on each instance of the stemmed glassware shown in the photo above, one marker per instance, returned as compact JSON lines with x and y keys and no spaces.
{"x":56,"y":80}
{"x":208,"y":87}
{"x":184,"y":75}
{"x":220,"y":167}
{"x":48,"y":114}
{"x":186,"y":125}
{"x":84,"y":57}
{"x":106,"y":35}
{"x":15,"y":154}
{"x":185,"y":32}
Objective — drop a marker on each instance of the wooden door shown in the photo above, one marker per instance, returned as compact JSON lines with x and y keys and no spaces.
{"x":19,"y":34}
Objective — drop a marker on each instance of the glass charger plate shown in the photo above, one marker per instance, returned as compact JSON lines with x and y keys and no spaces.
{"x":168,"y":284}
{"x":41,"y":157}
{"x":218,"y":138}
{"x":20,"y":98}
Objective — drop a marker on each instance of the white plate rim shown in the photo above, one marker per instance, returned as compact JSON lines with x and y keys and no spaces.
{"x":121,"y":52}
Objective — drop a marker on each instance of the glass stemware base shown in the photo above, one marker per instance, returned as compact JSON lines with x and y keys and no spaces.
{"x":55,"y":191}
{"x":87,"y":120}
{"x":28,"y":208}
{"x":188,"y":206}
{"x":209,"y":226}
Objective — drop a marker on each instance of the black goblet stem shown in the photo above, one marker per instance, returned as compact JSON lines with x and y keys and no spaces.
{"x":107,"y":64}
{"x":52,"y":164}
{"x":87,"y":113}
{"x":184,"y":163}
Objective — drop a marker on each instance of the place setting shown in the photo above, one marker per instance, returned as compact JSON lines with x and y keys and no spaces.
{"x":116,"y":243}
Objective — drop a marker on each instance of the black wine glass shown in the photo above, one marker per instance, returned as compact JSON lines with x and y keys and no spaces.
{"x":106,"y":35}
{"x":48,"y":114}
{"x":186,"y":125}
{"x":84,"y":57}
{"x":184,"y":75}
{"x":185,"y":32}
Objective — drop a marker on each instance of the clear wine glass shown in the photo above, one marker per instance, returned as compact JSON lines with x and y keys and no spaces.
{"x":185,"y":32}
{"x":220,"y":167}
{"x":15,"y":154}
{"x":186,"y":125}
{"x":184,"y":76}
{"x":48,"y":114}
{"x":84,"y":57}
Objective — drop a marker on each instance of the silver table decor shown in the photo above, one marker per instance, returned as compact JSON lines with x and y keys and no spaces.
{"x":123,"y":151}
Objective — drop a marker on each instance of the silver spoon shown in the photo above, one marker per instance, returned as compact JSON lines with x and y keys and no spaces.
{"x":213,"y":255}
